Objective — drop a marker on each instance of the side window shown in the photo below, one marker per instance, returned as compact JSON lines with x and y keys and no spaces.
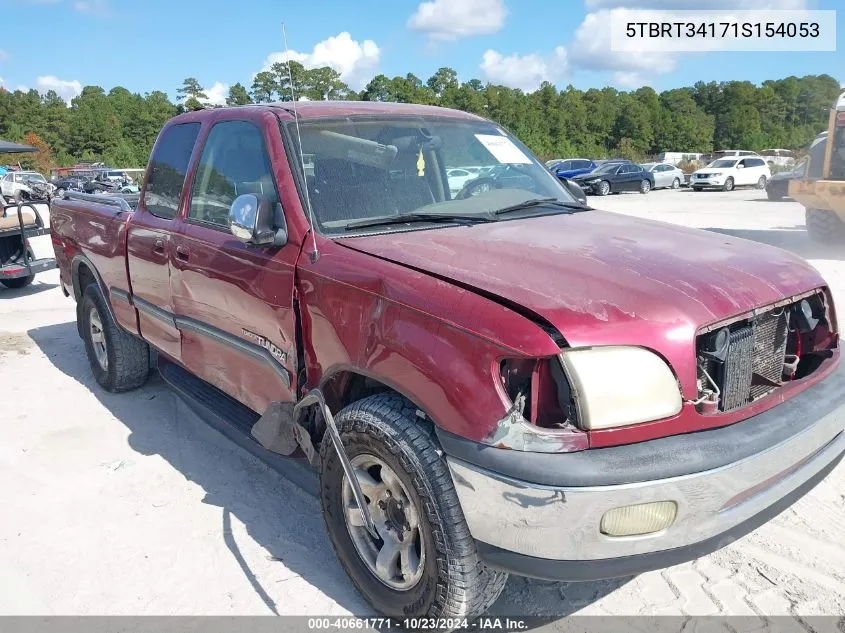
{"x":755,"y":162}
{"x":234,"y":161}
{"x":626,"y":169}
{"x":565,"y":165}
{"x":168,"y":166}
{"x":583,"y":164}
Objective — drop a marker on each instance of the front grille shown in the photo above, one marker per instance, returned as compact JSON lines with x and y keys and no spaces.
{"x":753,"y":364}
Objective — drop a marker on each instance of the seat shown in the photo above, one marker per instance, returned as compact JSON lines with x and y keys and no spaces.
{"x":10,"y":220}
{"x":343,"y":190}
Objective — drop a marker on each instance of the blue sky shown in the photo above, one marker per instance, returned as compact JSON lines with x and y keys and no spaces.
{"x":154,"y":44}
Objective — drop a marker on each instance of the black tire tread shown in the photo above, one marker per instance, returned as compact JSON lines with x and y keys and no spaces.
{"x":824,"y":226}
{"x":129,"y":356}
{"x":471,"y":587}
{"x":18,"y":282}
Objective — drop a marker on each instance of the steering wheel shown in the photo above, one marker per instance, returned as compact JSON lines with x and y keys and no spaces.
{"x":476,"y":187}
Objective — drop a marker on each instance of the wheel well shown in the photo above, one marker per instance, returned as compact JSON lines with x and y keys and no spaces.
{"x":83,"y":278}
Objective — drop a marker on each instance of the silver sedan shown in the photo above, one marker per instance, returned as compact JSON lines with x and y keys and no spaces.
{"x":665,"y":175}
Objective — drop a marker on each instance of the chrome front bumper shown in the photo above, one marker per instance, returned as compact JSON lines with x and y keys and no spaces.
{"x":562,"y":523}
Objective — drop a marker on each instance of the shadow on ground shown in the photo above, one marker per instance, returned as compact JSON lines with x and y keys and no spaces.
{"x":280,"y":517}
{"x":794,"y":239}
{"x":32,"y":289}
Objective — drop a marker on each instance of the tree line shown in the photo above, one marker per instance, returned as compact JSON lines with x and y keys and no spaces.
{"x":119,"y":127}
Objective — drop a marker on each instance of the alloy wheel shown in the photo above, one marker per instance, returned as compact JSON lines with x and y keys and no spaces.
{"x":397,"y":555}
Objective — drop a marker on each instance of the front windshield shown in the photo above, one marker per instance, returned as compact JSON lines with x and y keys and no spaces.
{"x":33,"y":178}
{"x":388,"y":167}
{"x":722,"y":163}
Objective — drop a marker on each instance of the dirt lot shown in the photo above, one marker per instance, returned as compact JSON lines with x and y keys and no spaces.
{"x":127,"y":504}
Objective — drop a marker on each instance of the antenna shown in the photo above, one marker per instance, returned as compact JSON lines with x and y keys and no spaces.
{"x":316,"y":255}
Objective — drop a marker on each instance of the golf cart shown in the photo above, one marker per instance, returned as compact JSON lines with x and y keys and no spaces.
{"x":25,"y":246}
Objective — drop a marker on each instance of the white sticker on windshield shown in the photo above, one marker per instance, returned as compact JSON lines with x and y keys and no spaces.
{"x":503,"y":149}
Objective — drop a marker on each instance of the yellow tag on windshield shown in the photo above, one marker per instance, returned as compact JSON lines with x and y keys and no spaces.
{"x":421,"y":165}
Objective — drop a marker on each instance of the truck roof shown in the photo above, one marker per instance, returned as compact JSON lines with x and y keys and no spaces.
{"x":332,"y":109}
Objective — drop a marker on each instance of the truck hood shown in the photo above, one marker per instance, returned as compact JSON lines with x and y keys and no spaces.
{"x":604,"y":278}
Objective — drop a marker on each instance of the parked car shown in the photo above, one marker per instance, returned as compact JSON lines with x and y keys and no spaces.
{"x":777,"y":187}
{"x":614,"y":177}
{"x":101,"y":183}
{"x":665,"y":175}
{"x":458,"y":177}
{"x":25,"y":185}
{"x":778,"y":157}
{"x":572,"y":167}
{"x":68,"y":183}
{"x":505,"y":382}
{"x":728,"y":173}
{"x":731,"y":153}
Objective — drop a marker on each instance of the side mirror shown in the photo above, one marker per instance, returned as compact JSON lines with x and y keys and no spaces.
{"x":740,"y":166}
{"x":575,"y":190}
{"x":258,"y":222}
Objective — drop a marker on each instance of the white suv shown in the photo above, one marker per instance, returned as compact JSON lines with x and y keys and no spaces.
{"x":728,"y":173}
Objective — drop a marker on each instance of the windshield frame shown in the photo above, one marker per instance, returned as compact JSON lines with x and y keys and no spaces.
{"x":289,"y":135}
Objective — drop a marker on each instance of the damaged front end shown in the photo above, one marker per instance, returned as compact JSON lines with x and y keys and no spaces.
{"x":747,"y":358}
{"x":542,"y":417}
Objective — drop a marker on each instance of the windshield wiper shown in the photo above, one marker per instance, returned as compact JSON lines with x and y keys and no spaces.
{"x":543,"y":202}
{"x":465,"y":218}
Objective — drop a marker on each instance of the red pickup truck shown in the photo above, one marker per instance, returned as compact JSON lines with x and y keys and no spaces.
{"x":499,"y":380}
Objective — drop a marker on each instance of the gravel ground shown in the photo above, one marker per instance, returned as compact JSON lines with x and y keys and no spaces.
{"x":128,"y":504}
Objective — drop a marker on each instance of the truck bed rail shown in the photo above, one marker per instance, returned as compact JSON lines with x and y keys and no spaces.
{"x":109,"y":200}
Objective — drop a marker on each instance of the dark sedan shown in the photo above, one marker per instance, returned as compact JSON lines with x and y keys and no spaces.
{"x":615,"y":177}
{"x":68,"y":183}
{"x":778,"y":186}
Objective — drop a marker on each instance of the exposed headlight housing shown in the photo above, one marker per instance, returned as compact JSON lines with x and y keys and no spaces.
{"x":619,"y":386}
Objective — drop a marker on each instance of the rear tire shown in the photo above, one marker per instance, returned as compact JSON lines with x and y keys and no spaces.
{"x":18,"y":282}
{"x":761,"y":182}
{"x":824,"y":226}
{"x":645,"y":186}
{"x":454,"y":582}
{"x":676,"y":184}
{"x":119,"y":361}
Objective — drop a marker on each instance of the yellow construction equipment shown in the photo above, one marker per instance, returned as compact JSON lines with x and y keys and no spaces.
{"x":822,"y":191}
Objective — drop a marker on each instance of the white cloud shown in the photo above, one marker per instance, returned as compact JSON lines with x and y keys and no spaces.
{"x":526,"y":72}
{"x":697,"y":4}
{"x":216,"y":94}
{"x":354,"y":60}
{"x":66,"y":89}
{"x":591,"y":49}
{"x":455,"y":19}
{"x":90,"y":6}
{"x":3,"y":55}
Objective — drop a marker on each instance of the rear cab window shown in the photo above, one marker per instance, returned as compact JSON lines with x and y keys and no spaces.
{"x":168,"y":166}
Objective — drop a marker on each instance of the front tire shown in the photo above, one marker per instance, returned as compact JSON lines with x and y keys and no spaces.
{"x":729,"y":185}
{"x":761,"y":182}
{"x":442,"y":576}
{"x":119,"y":361}
{"x":824,"y":226}
{"x":604,"y":188}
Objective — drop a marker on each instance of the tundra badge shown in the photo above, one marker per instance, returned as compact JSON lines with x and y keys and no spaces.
{"x":277,"y":353}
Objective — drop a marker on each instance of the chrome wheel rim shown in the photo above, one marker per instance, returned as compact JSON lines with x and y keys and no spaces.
{"x":761,"y":184}
{"x":604,"y":188}
{"x":397,"y":556}
{"x":676,"y":184}
{"x":646,"y":186}
{"x":98,"y":339}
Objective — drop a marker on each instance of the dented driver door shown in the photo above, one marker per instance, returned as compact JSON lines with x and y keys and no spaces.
{"x":234,"y":301}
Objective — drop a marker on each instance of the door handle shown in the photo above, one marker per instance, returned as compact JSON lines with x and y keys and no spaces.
{"x":183,"y":253}
{"x":158,"y":249}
